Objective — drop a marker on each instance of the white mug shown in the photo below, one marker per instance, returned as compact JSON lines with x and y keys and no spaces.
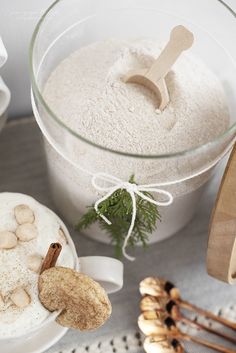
{"x":4,"y":91}
{"x":105,"y":270}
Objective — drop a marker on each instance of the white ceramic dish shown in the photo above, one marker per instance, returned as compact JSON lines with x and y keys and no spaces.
{"x":39,"y":342}
{"x":107,"y":271}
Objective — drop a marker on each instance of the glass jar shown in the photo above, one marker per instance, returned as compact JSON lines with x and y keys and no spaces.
{"x":73,"y":160}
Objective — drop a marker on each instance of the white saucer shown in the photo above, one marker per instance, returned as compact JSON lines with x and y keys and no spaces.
{"x":39,"y":342}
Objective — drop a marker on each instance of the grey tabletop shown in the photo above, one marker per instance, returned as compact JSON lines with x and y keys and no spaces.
{"x":180,"y":259}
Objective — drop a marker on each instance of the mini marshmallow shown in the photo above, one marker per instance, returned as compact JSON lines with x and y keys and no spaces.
{"x":24,"y":214}
{"x":34,"y":262}
{"x":20,"y":298}
{"x":26,"y":232}
{"x":8,"y":240}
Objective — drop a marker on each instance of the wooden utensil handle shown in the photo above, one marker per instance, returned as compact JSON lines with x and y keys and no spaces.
{"x":180,"y":39}
{"x":186,"y":305}
{"x":213,"y":346}
{"x":208,"y":329}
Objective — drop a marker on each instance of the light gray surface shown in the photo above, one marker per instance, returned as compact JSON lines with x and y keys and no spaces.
{"x":180,"y":259}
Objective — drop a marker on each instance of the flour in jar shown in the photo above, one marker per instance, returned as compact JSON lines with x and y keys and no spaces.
{"x":88,"y":93}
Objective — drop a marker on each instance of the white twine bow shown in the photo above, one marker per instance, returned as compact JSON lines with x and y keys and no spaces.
{"x":133,"y":190}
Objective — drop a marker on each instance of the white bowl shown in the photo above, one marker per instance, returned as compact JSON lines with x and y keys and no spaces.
{"x":107,"y":271}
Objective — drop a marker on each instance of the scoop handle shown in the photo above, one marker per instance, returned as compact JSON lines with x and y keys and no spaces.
{"x":180,"y":39}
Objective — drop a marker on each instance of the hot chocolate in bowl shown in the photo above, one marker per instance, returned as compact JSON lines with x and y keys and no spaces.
{"x":73,"y":159}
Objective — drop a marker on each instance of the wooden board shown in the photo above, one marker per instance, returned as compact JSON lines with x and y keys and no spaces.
{"x":221,"y":255}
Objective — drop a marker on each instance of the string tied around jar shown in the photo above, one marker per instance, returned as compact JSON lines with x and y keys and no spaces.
{"x":133,"y":190}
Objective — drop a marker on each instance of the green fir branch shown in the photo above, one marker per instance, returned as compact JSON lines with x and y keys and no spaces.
{"x":118,"y":209}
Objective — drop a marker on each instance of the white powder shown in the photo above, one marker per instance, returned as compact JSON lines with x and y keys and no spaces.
{"x":14,"y":270}
{"x":87,"y":92}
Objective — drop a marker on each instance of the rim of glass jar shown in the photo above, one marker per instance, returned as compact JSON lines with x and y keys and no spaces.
{"x":36,"y":90}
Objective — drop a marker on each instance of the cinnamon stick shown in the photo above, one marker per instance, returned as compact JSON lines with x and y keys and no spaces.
{"x":51,"y":257}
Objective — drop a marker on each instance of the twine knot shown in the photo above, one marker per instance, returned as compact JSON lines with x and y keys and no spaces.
{"x":133,"y":189}
{"x":130,"y":187}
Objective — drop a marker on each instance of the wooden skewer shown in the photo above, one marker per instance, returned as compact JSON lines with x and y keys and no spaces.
{"x":173,"y":310}
{"x":51,"y":257}
{"x":160,"y":288}
{"x":154,"y":78}
{"x":208,"y":329}
{"x":184,"y":337}
{"x":166,"y":326}
{"x":170,"y":307}
{"x":208,"y":314}
{"x":207,"y":344}
{"x":174,"y":293}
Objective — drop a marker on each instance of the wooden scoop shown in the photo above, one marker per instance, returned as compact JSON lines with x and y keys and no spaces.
{"x":221,"y":254}
{"x":154,"y":78}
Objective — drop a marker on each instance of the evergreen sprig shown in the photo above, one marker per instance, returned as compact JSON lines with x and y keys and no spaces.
{"x":118,"y":209}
